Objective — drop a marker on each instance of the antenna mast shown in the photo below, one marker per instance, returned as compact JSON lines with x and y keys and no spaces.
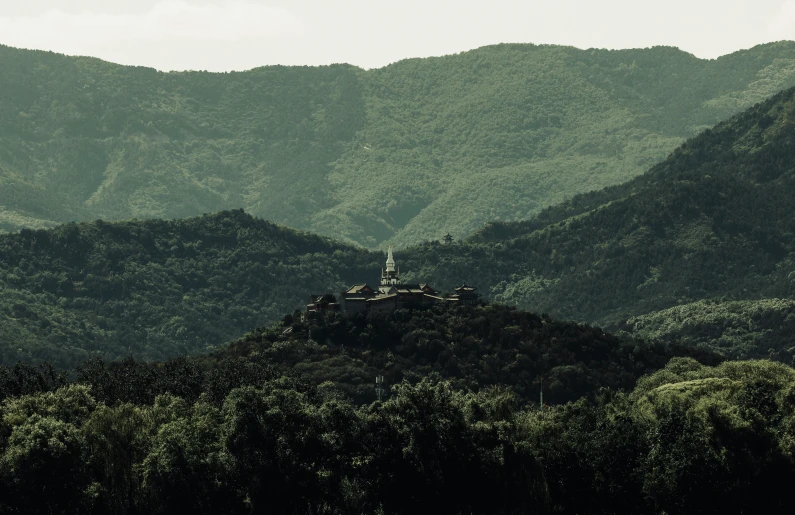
{"x":541,"y":395}
{"x":379,"y":387}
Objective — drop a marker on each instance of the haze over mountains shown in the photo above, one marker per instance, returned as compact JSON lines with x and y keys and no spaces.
{"x":401,"y":154}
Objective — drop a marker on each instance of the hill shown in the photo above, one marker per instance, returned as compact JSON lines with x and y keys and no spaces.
{"x":471,"y":347}
{"x":735,"y":329}
{"x":712,"y":221}
{"x":156,"y":289}
{"x":404,"y":153}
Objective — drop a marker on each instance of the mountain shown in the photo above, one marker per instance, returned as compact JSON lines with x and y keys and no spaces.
{"x":404,"y":153}
{"x":156,"y":289}
{"x":712,"y":221}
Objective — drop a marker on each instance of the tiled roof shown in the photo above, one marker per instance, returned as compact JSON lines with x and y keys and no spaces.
{"x":382,"y":297}
{"x":357,"y":288}
{"x":435,"y":297}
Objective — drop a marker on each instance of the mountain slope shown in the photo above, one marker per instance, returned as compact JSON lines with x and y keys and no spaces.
{"x":735,"y":329}
{"x":157,"y":289}
{"x":403,"y":153}
{"x":714,"y":220}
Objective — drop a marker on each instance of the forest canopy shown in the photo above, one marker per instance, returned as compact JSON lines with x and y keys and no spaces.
{"x":248,"y":438}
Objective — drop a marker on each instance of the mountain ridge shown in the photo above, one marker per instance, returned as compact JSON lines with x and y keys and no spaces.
{"x":720,"y":200}
{"x":712,"y":221}
{"x":394,"y":154}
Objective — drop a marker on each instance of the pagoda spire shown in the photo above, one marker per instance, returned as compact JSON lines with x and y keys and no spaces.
{"x":389,"y":276}
{"x":390,"y":261}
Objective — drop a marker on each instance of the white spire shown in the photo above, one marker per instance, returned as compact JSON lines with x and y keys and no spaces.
{"x":390,"y":261}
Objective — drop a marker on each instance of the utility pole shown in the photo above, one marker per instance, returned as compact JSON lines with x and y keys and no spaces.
{"x":379,"y":387}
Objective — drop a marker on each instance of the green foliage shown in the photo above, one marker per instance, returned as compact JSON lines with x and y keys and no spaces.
{"x":278,"y":447}
{"x":403,"y":153}
{"x":688,"y":439}
{"x":738,"y":330}
{"x":44,"y":451}
{"x":157,"y":289}
{"x":471,"y":347}
{"x":713,"y":221}
{"x":46,"y":447}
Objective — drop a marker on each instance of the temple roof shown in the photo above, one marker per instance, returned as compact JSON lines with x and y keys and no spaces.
{"x":409,"y":288}
{"x":382,"y":297}
{"x":357,"y":288}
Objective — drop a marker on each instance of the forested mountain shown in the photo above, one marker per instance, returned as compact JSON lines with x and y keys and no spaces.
{"x":713,"y":221}
{"x":156,"y":289}
{"x":403,"y":153}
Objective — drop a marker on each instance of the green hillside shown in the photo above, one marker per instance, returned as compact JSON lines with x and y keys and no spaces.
{"x":157,"y":289}
{"x":714,"y":220}
{"x":403,"y":153}
{"x":471,"y":347}
{"x":735,"y":329}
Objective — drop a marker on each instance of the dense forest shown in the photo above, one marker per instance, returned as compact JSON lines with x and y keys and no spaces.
{"x":403,"y":153}
{"x":158,"y":288}
{"x":734,"y":329}
{"x":471,"y":347}
{"x":241,"y":432}
{"x":710,"y":223}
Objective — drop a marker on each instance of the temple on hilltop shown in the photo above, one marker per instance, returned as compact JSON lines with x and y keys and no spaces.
{"x":390,"y":295}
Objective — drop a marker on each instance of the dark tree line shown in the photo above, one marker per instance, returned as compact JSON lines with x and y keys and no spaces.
{"x":687,"y":439}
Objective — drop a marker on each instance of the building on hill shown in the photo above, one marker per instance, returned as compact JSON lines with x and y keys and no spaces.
{"x":325,"y":302}
{"x":392,"y":294}
{"x":465,"y":295}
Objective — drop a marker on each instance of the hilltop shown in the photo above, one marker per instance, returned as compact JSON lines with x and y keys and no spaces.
{"x":403,"y":153}
{"x":472,"y":347}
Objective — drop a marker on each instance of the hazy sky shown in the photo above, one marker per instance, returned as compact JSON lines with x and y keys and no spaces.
{"x":222,"y":35}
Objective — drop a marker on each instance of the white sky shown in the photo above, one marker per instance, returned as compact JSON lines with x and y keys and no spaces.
{"x":220,"y":35}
